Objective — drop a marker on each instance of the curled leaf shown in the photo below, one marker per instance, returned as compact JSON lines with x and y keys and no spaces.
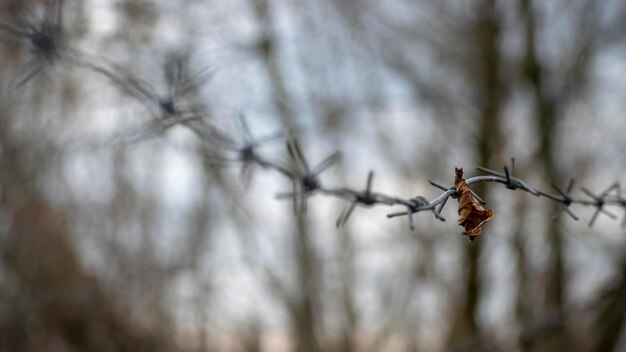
{"x":472,"y":216}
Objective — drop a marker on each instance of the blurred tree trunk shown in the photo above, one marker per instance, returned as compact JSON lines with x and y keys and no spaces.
{"x":489,"y":91}
{"x":304,"y":308}
{"x":611,"y":320}
{"x":49,"y":301}
{"x":51,"y":294}
{"x":546,"y":116}
{"x":306,"y":314}
{"x":266,"y":47}
{"x":522,"y":296}
{"x":57,"y":296}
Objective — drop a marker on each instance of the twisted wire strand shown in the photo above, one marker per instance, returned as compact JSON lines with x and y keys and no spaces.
{"x":306,"y":179}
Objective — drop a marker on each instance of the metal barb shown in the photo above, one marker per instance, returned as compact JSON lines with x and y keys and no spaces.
{"x":566,"y":200}
{"x":43,"y":35}
{"x":454,"y":196}
{"x":509,"y":179}
{"x":306,"y":179}
{"x":415,"y":205}
{"x":599,"y":203}
{"x":365,"y":198}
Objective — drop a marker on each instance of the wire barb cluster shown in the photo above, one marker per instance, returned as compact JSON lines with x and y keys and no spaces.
{"x":168,"y":109}
{"x":42,"y":36}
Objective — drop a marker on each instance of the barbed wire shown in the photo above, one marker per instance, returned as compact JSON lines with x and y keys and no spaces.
{"x":45,"y":40}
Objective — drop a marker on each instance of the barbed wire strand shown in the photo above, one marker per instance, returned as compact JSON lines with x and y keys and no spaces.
{"x":306,"y":179}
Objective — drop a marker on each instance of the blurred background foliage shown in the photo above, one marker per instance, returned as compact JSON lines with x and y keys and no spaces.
{"x":112,"y":244}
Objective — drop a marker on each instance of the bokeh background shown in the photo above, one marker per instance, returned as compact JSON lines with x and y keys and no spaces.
{"x":111,"y":245}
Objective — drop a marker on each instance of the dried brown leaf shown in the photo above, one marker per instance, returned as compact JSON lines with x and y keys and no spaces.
{"x":472,"y":216}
